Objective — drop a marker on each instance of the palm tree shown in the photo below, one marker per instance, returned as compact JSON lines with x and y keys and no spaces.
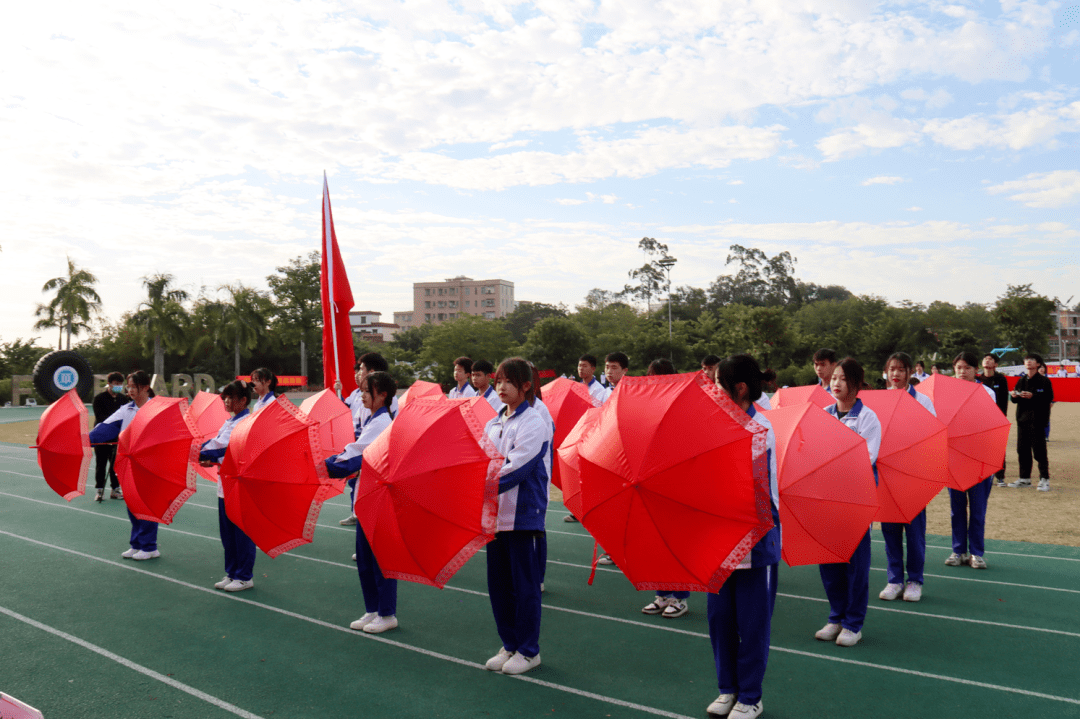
{"x":48,"y":320}
{"x":243,"y":319}
{"x":163,"y":315}
{"x":76,"y":299}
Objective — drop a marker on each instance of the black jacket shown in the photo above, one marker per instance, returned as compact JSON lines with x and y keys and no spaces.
{"x":106,"y":403}
{"x":1034,"y":411}
{"x":1000,"y":386}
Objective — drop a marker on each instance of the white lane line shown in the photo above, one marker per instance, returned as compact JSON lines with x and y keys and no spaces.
{"x":361,"y":635}
{"x":189,"y":503}
{"x":208,"y":698}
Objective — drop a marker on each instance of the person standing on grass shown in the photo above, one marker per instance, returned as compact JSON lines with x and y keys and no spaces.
{"x":740,"y":614}
{"x":143,"y":532}
{"x":999,"y":385}
{"x":105,"y":404}
{"x":239,"y":549}
{"x":1032,"y":395}
{"x":898,"y":375}
{"x":824,"y":366}
{"x":462,"y":374}
{"x":380,"y":593}
{"x":847,"y":585}
{"x":514,"y":568}
{"x":968,"y":509}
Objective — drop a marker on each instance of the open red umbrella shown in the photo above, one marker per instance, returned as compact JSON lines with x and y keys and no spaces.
{"x":568,"y":459}
{"x":794,"y":396}
{"x":335,"y":421}
{"x":207,"y":412}
{"x":480,"y":406}
{"x":63,"y":446}
{"x":826,"y":482}
{"x":419,"y":389}
{"x":155,"y":459}
{"x":427,"y":498}
{"x":274,"y":477}
{"x":913,"y":461}
{"x":978,"y":431}
{"x":674,"y":482}
{"x":567,"y":401}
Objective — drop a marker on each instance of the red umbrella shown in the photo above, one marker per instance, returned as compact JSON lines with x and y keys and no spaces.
{"x":913,"y":462}
{"x":826,"y":483}
{"x":794,"y":396}
{"x":274,"y":477}
{"x":674,"y":482}
{"x":155,"y":459}
{"x":335,"y":421}
{"x":978,"y":431}
{"x":568,"y":459}
{"x":567,"y":401}
{"x":63,"y":445}
{"x":480,"y":406}
{"x":419,"y":389}
{"x":207,"y":412}
{"x":427,"y":498}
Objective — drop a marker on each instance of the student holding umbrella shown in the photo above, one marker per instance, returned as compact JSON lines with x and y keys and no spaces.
{"x":848,"y":585}
{"x":143,"y":532}
{"x":740,"y":614}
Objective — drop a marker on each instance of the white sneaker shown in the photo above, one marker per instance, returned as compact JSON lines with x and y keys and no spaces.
{"x":349,"y":521}
{"x":141,"y":555}
{"x":223,"y":583}
{"x":890,"y":592}
{"x":848,"y":638}
{"x":746,"y":711}
{"x":381,"y":624}
{"x":519,"y":664}
{"x":828,"y":633}
{"x":605,"y":559}
{"x":239,"y":585}
{"x":129,"y":553}
{"x":658,"y":605}
{"x":354,"y":557}
{"x":1019,"y":483}
{"x":912,"y":592}
{"x":676,"y":609}
{"x":364,"y":621}
{"x":1001,"y":482}
{"x":1044,"y":485}
{"x":722,"y":706}
{"x":956,"y":560}
{"x":495,"y":664}
{"x":976,"y":561}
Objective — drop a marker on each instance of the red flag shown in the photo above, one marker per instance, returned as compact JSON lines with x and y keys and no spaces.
{"x":338,"y":357}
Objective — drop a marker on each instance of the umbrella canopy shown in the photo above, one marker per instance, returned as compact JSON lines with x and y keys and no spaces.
{"x":674,"y":482}
{"x":480,"y":406}
{"x":207,"y":412}
{"x":978,"y":431}
{"x":155,"y":459}
{"x":419,"y":389}
{"x":567,"y":401}
{"x":568,"y":459}
{"x":427,"y":498}
{"x":335,"y":421}
{"x":794,"y":396}
{"x":913,"y":461}
{"x":63,"y":446}
{"x":826,"y":483}
{"x":274,"y":477}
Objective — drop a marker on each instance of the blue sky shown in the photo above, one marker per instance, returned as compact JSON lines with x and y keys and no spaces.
{"x":908,"y":150}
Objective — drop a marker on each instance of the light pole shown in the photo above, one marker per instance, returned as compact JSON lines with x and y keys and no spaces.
{"x":667,"y":263}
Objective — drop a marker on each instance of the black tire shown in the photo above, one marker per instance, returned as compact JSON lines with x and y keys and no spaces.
{"x":57,"y":372}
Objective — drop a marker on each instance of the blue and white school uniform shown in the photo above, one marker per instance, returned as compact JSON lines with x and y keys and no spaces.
{"x":540,"y":407}
{"x":596,"y":390}
{"x":380,"y":593}
{"x":893,"y":532}
{"x":514,"y":568}
{"x":765,"y":402}
{"x":967,"y":512}
{"x":262,"y":402}
{"x":740,"y":614}
{"x":356,"y":408}
{"x":847,"y":585}
{"x":361,"y":415}
{"x":463,"y":393}
{"x":492,"y":398}
{"x":239,"y":549}
{"x":143,"y":531}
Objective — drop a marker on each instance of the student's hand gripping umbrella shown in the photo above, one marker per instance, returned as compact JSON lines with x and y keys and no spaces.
{"x":826,"y":483}
{"x":913,"y":461}
{"x":63,"y":446}
{"x":567,"y":401}
{"x":418,"y":390}
{"x":207,"y":412}
{"x":978,"y":431}
{"x":427,"y":498}
{"x":335,"y":421}
{"x":275,"y":479}
{"x":794,"y":396}
{"x":155,"y":459}
{"x":568,"y":459}
{"x":674,"y":482}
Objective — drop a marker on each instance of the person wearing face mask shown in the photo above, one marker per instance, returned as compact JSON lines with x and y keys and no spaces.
{"x":105,"y":405}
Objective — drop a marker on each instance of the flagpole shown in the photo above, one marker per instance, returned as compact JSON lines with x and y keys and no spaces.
{"x":328,"y":230}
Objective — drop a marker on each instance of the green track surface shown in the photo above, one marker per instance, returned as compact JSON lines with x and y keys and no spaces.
{"x":1000,"y":642}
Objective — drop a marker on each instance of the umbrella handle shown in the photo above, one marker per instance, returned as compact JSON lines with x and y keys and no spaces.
{"x":595,"y":546}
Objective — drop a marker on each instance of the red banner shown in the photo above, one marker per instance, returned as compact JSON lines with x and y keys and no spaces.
{"x":1066,"y":389}
{"x":283,"y":381}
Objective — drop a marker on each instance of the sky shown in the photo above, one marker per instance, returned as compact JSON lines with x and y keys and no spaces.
{"x":909,"y":150}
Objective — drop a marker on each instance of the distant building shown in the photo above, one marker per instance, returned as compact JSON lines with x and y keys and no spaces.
{"x":1065,"y":342}
{"x":438,"y":302}
{"x":365,"y":325}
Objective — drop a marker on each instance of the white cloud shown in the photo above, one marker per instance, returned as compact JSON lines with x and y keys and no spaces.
{"x":881,"y":134}
{"x":507,"y":145}
{"x":1019,"y":130}
{"x":882,"y":180}
{"x":735,"y":182}
{"x":1042,"y":189}
{"x":569,"y":201}
{"x":914,"y":208}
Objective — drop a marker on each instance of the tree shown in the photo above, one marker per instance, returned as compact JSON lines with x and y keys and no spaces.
{"x":469,"y":336}
{"x":556,"y":343}
{"x":652,"y":277}
{"x":243,"y":319}
{"x":75,"y":300}
{"x":809,"y":292}
{"x":298,"y":303}
{"x":163,"y":316}
{"x":761,"y":280}
{"x":527,"y":314}
{"x":47,"y":319}
{"x":687,"y":303}
{"x":1025,"y":319}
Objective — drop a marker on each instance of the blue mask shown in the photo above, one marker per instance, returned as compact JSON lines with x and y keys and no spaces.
{"x":118,"y":388}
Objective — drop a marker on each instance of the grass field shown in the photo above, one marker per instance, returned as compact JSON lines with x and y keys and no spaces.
{"x":84,"y":633}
